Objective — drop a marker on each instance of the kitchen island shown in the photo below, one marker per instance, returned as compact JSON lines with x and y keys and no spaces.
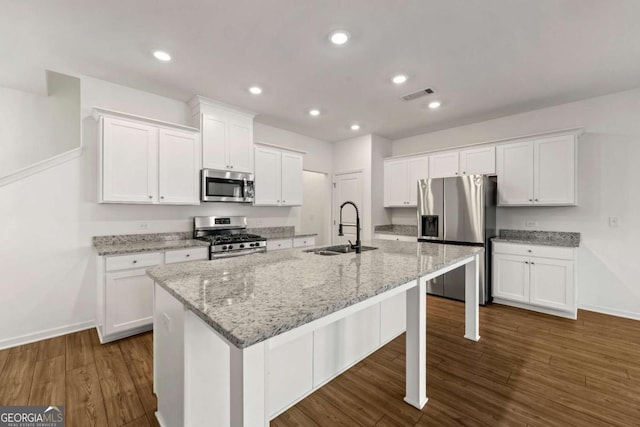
{"x":238,"y":341}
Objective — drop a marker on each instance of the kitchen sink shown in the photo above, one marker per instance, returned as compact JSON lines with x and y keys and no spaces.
{"x":337,"y":250}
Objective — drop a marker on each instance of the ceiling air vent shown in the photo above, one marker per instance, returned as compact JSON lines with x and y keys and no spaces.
{"x":419,"y":94}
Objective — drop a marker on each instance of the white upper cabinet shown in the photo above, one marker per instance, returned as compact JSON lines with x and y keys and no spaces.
{"x":480,"y":161}
{"x":278,"y":177}
{"x":227,"y":135}
{"x":515,"y":173}
{"x":146,"y":161}
{"x":129,"y":161}
{"x":443,"y":165}
{"x":401,"y":180}
{"x":291,"y":178}
{"x":538,"y":172}
{"x":178,"y":167}
{"x":555,"y":170}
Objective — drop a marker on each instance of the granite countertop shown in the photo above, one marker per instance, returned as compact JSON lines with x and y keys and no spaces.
{"x":253,"y":298}
{"x":155,"y":242}
{"x":541,"y":238}
{"x":397,"y":230}
{"x":273,"y":233}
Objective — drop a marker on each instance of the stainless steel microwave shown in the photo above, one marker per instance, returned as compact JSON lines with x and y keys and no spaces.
{"x":225,"y":186}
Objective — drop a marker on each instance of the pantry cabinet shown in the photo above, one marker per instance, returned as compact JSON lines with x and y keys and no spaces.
{"x":539,"y":278}
{"x":538,"y":172}
{"x":227,"y":135}
{"x":278,"y":177}
{"x":146,"y":161}
{"x":401,"y":180}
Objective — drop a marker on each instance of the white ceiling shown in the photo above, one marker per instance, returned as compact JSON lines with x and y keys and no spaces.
{"x":484,"y":58}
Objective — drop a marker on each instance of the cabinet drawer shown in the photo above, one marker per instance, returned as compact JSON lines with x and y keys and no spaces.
{"x":274,"y":245}
{"x":301,"y":242}
{"x":395,"y":237}
{"x":533,"y":250}
{"x":183,"y":255}
{"x":124,"y":262}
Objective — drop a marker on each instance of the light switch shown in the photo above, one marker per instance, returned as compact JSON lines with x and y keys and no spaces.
{"x":614,"y":221}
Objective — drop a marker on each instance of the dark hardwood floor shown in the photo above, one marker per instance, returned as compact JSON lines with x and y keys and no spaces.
{"x":528,"y":369}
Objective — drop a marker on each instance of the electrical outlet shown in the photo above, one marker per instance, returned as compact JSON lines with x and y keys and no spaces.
{"x":143,"y":226}
{"x":614,"y":221}
{"x":530,"y":223}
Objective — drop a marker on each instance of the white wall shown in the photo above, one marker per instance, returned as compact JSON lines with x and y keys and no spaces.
{"x":34,"y":128}
{"x":608,"y":158}
{"x":315,"y":211}
{"x":47,"y":221}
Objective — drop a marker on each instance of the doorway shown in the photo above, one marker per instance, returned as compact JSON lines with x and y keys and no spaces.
{"x":348,"y":186}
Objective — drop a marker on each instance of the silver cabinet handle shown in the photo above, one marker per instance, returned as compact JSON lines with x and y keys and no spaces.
{"x":284,"y":201}
{"x":532,"y":263}
{"x":526,"y":262}
{"x":231,"y":166}
{"x":456,"y":173}
{"x":277,"y":201}
{"x":537,"y":200}
{"x":529,"y":250}
{"x":135,"y":261}
{"x":531,"y":200}
{"x":151,"y":197}
{"x":188,"y":255}
{"x":464,"y":172}
{"x":162,"y":197}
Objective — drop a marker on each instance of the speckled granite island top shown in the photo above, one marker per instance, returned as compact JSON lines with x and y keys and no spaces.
{"x":252,"y":298}
{"x":135,"y":243}
{"x":539,"y":238}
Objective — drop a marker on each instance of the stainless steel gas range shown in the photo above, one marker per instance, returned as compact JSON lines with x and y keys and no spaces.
{"x":228,"y":236}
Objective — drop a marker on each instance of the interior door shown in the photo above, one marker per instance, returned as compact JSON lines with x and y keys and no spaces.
{"x":348,"y":186}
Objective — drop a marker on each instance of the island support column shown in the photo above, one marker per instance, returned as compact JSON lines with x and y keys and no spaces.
{"x":472,"y":299}
{"x":416,"y":345}
{"x":248,"y":386}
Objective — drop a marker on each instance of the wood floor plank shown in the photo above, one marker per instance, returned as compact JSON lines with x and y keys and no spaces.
{"x":121,"y":400}
{"x":17,"y":376}
{"x":331,"y":416}
{"x":49,"y":382}
{"x":84,"y":403}
{"x":52,"y":348}
{"x":140,"y":422}
{"x":79,"y":350}
{"x":139,"y":362}
{"x":294,"y":417}
{"x":153,"y":421}
{"x":4,"y":355}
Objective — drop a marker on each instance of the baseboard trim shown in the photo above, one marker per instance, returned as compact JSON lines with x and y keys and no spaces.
{"x":46,"y":334}
{"x":530,"y":307}
{"x":610,"y":311}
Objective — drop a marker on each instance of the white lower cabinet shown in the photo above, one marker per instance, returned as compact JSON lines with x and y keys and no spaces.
{"x":125,"y":292}
{"x":396,"y":237}
{"x":301,"y":242}
{"x":290,"y":372}
{"x":128,"y":301}
{"x":540,"y":278}
{"x":277,"y":244}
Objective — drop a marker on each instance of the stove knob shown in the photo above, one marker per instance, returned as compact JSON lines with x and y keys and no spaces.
{"x":230,"y":246}
{"x":224,"y":248}
{"x":252,"y":244}
{"x":241,"y":246}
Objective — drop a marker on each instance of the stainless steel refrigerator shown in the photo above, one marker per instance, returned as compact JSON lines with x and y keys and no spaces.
{"x":462,"y":211}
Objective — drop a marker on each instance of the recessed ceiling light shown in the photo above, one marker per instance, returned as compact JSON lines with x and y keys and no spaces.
{"x":355,"y":126}
{"x":314,"y":112}
{"x":339,"y":37}
{"x":161,"y":55}
{"x":399,"y":79}
{"x":434,"y":104}
{"x":256,"y":90}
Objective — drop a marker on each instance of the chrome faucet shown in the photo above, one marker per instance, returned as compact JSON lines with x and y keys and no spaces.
{"x":358,"y":245}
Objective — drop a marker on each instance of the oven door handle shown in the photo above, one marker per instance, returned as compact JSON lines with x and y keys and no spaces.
{"x":220,"y":255}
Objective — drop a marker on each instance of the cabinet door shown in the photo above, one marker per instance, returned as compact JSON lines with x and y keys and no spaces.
{"x":443,"y":165}
{"x":240,"y":144}
{"x":552,"y":283}
{"x":128,"y":300}
{"x":417,"y":168}
{"x":214,"y":141}
{"x":291,"y":179}
{"x":290,"y":372}
{"x":511,"y":277}
{"x":555,"y":170}
{"x":515,"y":173}
{"x":179,"y":165}
{"x":395,"y":183}
{"x":267,"y":176}
{"x":129,"y":161}
{"x":478,"y":161}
